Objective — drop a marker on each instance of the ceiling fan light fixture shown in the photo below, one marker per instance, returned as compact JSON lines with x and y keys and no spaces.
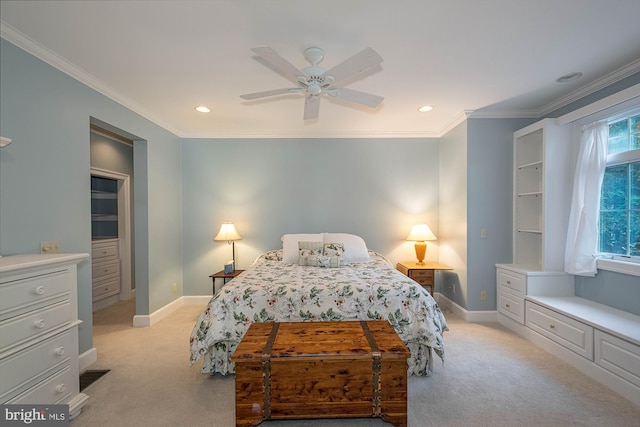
{"x":314,"y":81}
{"x":425,"y":108}
{"x":203,"y":109}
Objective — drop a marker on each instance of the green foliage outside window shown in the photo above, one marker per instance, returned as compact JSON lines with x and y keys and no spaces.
{"x":620,"y":201}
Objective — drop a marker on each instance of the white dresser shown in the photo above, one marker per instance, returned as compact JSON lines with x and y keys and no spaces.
{"x":39,"y":330}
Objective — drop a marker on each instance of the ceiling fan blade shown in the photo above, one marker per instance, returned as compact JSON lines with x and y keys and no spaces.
{"x":311,"y":107}
{"x":266,"y":93}
{"x":281,"y":64}
{"x":356,"y":96}
{"x":351,"y":66}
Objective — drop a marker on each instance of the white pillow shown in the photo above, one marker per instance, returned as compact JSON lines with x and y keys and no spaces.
{"x":290,"y":245}
{"x":355,"y":249}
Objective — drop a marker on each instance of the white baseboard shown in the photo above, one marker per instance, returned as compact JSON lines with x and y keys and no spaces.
{"x":87,"y":359}
{"x":469,"y":316}
{"x":147,"y":320}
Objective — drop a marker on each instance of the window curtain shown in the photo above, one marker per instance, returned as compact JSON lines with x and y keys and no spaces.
{"x":582,"y":233}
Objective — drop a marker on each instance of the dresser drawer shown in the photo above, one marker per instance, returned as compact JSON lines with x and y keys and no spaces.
{"x":55,"y":389}
{"x":25,"y":369}
{"x":106,"y":269}
{"x":27,"y":294}
{"x":564,"y":330}
{"x":424,"y":277}
{"x":511,"y":306}
{"x":512,"y":282}
{"x":26,"y":327}
{"x":618,"y":356}
{"x":101,"y":251}
{"x":106,"y":288}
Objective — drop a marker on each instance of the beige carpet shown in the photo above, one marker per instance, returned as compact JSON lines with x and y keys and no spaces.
{"x":491,"y":377}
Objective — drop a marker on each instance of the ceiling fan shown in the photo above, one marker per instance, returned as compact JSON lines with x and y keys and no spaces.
{"x":313,"y":81}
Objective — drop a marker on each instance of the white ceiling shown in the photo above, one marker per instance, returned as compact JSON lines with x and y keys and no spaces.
{"x":495,"y":58}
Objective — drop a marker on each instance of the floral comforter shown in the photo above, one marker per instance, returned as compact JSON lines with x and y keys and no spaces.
{"x":274,"y":291}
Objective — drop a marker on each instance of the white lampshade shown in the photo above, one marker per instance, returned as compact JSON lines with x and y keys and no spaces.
{"x":420,"y":233}
{"x":227,"y":232}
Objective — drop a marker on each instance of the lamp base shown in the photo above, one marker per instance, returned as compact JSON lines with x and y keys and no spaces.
{"x":421,"y":250}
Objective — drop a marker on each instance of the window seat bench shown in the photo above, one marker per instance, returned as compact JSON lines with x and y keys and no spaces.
{"x":616,"y":322}
{"x":601,"y":341}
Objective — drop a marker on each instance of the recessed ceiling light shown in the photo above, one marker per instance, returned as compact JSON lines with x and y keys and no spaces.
{"x":425,"y":108}
{"x":203,"y":109}
{"x":569,"y":77}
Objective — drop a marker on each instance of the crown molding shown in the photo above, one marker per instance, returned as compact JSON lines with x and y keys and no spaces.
{"x":586,"y":90}
{"x":461,"y":117}
{"x":29,"y":45}
{"x":607,"y":80}
{"x":622,"y":98}
{"x":506,"y":114}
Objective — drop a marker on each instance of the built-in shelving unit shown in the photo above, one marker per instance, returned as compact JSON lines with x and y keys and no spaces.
{"x":543,"y":170}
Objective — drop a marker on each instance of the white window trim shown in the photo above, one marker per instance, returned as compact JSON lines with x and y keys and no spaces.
{"x":619,"y":266}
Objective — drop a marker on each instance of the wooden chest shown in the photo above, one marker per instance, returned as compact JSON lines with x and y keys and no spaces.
{"x":321,"y":370}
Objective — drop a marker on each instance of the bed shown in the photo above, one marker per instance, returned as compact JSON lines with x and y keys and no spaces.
{"x":334,"y":277}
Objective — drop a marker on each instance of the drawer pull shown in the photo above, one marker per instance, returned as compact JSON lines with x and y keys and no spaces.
{"x":508,"y":282}
{"x":60,"y":388}
{"x":59,"y":351}
{"x":552,"y":326}
{"x":507,"y":305}
{"x":40,"y":290}
{"x":40,"y":323}
{"x":106,"y":270}
{"x":104,"y":252}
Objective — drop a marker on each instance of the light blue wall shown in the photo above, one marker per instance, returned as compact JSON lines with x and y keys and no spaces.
{"x":376,"y":188}
{"x":453,"y":215}
{"x":490,"y":195}
{"x":45,"y":177}
{"x":618,"y":290}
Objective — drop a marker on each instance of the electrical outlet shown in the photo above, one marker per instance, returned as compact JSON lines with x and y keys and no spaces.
{"x":483,"y":296}
{"x":175,"y":288}
{"x":483,"y":233}
{"x":50,"y":247}
{"x":453,"y":288}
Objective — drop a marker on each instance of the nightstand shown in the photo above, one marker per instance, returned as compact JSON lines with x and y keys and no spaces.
{"x":225,"y":277}
{"x":423,"y":273}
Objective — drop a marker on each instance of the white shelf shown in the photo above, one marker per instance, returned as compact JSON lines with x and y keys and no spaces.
{"x":531,"y":193}
{"x":534,"y":165}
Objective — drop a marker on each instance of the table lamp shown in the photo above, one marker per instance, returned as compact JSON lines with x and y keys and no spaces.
{"x":419,"y":234}
{"x":228,"y":232}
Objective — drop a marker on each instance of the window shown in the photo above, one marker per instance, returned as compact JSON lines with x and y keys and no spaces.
{"x":620,"y":198}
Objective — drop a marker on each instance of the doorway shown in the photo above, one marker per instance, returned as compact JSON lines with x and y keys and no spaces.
{"x":112,"y":218}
